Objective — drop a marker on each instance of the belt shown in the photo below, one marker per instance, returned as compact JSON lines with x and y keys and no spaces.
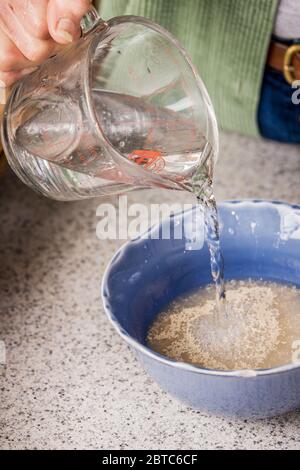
{"x":285,"y":59}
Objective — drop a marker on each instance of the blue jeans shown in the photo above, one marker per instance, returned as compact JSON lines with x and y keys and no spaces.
{"x":278,"y":117}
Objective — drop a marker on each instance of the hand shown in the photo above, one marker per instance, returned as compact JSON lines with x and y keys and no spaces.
{"x":33,"y":30}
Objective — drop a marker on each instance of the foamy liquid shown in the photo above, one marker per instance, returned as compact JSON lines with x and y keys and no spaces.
{"x":261,"y":328}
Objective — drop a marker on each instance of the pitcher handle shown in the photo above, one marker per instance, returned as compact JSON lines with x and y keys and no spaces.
{"x":90,"y":21}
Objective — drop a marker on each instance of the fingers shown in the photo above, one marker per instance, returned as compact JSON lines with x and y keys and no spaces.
{"x":32,"y":48}
{"x":33,"y":30}
{"x":9,"y":78}
{"x":33,"y":15}
{"x":64,"y":19}
{"x":13,"y":65}
{"x":11,"y":59}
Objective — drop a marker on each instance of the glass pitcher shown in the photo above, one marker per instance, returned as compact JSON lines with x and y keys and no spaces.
{"x":121,"y":109}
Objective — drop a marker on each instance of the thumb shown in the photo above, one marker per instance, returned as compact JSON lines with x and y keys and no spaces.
{"x":64,"y":19}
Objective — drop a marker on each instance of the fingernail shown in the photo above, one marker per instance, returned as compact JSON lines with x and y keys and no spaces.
{"x":2,"y":84}
{"x":66,"y":29}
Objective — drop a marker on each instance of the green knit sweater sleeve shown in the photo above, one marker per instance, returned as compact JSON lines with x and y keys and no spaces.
{"x":228,"y":42}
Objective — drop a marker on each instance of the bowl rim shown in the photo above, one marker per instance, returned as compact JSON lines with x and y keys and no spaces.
{"x":141,"y":348}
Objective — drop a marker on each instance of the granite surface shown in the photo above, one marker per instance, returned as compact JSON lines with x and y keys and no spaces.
{"x":70,"y":381}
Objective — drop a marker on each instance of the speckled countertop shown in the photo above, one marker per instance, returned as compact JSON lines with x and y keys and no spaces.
{"x":71,"y":382}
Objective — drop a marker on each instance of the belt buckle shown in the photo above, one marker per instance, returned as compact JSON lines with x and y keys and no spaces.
{"x":288,"y":68}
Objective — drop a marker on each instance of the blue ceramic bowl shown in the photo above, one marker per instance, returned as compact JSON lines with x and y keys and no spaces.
{"x":259,"y":240}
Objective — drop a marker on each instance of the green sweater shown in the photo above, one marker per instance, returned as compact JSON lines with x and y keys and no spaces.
{"x":227,"y":40}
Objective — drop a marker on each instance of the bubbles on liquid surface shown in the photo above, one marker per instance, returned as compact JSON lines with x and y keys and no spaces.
{"x":260,"y":329}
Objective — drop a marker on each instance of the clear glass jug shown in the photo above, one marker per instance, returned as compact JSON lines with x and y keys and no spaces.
{"x":123,"y":108}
